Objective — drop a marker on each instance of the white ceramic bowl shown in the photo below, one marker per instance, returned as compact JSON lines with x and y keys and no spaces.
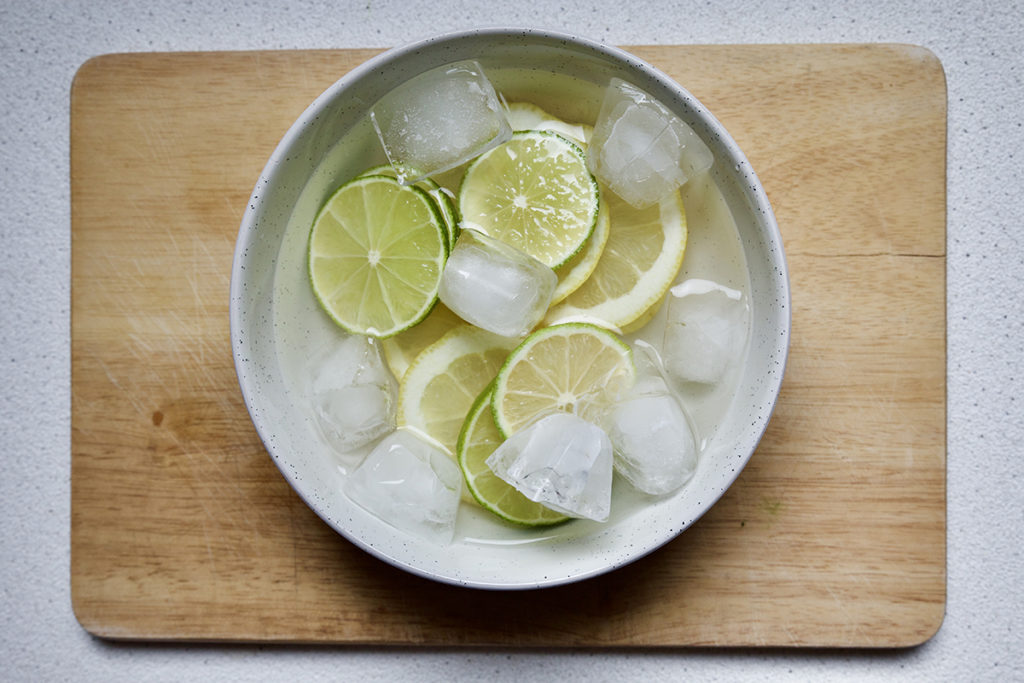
{"x":487,"y":554}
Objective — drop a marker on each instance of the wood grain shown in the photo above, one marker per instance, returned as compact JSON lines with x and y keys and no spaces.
{"x":834,"y":535}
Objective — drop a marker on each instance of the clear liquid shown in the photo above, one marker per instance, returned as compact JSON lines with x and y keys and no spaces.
{"x":713,"y":252}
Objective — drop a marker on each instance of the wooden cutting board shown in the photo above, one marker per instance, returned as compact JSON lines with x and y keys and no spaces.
{"x":834,"y":535}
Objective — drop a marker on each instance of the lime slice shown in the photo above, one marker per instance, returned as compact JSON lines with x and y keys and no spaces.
{"x":443,"y":197}
{"x":636,"y":268}
{"x":439,"y":388}
{"x":575,"y":367}
{"x":376,"y":252}
{"x":533,"y":192}
{"x":402,"y":349}
{"x":477,"y":440}
{"x":526,"y":116}
{"x":580,"y":267}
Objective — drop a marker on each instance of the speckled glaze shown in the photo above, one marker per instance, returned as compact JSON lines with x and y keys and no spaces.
{"x":587,"y":549}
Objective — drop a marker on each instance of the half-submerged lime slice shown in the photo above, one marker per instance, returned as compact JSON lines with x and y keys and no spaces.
{"x":576,"y":367}
{"x":477,"y":440}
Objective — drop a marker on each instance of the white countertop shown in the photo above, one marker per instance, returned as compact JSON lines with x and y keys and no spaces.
{"x":979,"y":44}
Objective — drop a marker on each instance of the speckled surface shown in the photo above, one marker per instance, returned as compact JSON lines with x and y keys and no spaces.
{"x":42,"y":45}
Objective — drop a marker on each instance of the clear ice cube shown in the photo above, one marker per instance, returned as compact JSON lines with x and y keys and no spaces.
{"x":561,"y":461}
{"x":438,"y":120}
{"x":705,"y":332}
{"x":409,"y":484}
{"x":353,"y":393}
{"x":654,"y":446}
{"x":495,"y":286}
{"x":640,"y":149}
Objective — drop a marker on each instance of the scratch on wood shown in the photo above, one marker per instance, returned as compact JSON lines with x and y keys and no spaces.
{"x":841,"y":605}
{"x":117,"y":384}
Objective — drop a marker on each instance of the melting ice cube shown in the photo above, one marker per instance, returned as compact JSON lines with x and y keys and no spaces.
{"x":438,"y":120}
{"x":495,"y":286}
{"x":705,"y":332}
{"x":640,"y":149}
{"x":352,"y":391}
{"x":561,"y":461}
{"x":409,"y":484}
{"x":655,"y":448}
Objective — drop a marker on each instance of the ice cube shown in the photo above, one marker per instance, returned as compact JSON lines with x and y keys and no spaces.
{"x":353,"y":393}
{"x":439,"y":119}
{"x":495,"y":286}
{"x":409,"y":484}
{"x":654,"y":446}
{"x":561,"y":461}
{"x":705,"y":332}
{"x":652,"y":436}
{"x":650,"y":376}
{"x":640,"y":149}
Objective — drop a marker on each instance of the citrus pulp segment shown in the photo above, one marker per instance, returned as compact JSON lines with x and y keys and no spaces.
{"x":637,"y":266}
{"x":477,"y":440}
{"x":376,"y":253}
{"x":534,"y":193}
{"x":574,"y":367}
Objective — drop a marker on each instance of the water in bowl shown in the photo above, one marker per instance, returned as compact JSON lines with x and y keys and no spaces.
{"x":713,"y":252}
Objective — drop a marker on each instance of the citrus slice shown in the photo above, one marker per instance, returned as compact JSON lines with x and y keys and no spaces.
{"x":477,"y":440}
{"x":575,"y":367}
{"x":638,"y":265}
{"x":439,"y":388}
{"x":376,"y":252}
{"x":638,"y":323}
{"x":575,"y":272}
{"x":401,"y":350}
{"x":443,"y":197}
{"x":533,"y":192}
{"x":572,"y":274}
{"x":526,"y":116}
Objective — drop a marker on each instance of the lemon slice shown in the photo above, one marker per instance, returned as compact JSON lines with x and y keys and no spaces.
{"x":526,"y":116}
{"x":439,"y":388}
{"x":402,"y":349}
{"x":575,"y":367}
{"x":629,"y":328}
{"x":477,"y":440}
{"x":533,"y":192}
{"x":376,"y":252}
{"x":638,"y":265}
{"x":443,"y":197}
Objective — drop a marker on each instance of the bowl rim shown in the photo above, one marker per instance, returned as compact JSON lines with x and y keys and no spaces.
{"x":755,"y":192}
